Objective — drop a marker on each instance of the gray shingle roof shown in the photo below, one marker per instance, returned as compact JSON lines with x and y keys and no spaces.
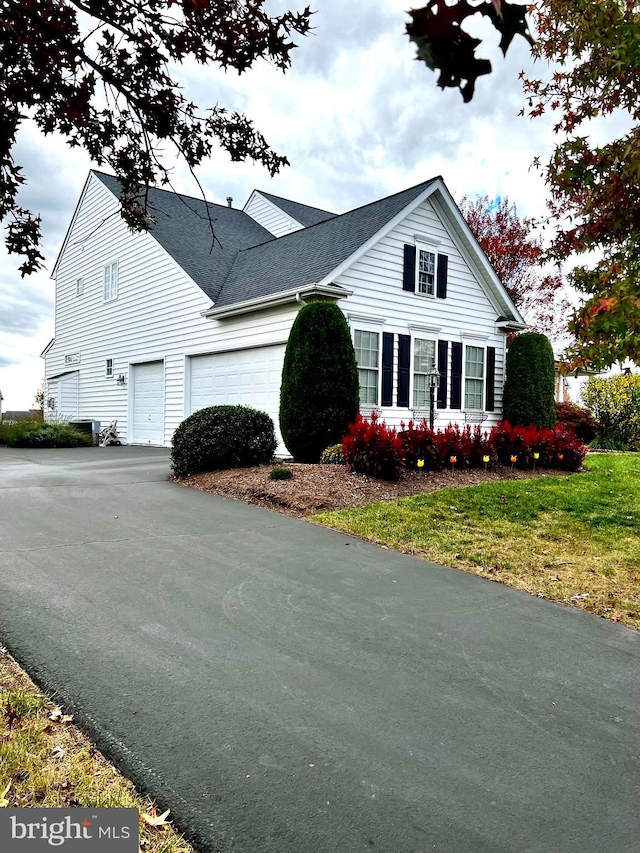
{"x":182,"y":229}
{"x":307,"y":256}
{"x":302,"y":213}
{"x":247,"y":262}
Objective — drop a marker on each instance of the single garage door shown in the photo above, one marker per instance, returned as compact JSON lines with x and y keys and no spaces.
{"x":147,"y":422}
{"x":248,"y":377}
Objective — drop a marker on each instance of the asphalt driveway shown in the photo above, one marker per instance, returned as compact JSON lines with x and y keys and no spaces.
{"x":285,"y":688}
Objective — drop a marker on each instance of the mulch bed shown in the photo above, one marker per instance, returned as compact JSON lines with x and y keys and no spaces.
{"x":318,"y":488}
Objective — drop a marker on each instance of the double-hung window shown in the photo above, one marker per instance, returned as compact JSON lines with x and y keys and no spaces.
{"x":110,"y":278}
{"x":367,"y":348}
{"x":108,"y":371}
{"x":474,"y":378}
{"x":424,"y":359}
{"x":426,"y":272}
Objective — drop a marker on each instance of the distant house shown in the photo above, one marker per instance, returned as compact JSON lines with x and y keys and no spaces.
{"x":151,"y":327}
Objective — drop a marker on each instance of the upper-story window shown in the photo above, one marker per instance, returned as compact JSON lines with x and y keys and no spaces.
{"x":108,"y":367}
{"x":110,"y":282}
{"x":474,"y":377}
{"x":425,"y":269}
{"x":367,"y":348}
{"x":426,"y":272}
{"x":79,"y":286}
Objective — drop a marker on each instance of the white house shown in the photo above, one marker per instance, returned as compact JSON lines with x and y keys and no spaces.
{"x":151,"y":327}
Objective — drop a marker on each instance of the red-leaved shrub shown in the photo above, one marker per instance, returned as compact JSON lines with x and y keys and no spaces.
{"x":375,"y":449}
{"x":372,"y":448}
{"x":417,"y":442}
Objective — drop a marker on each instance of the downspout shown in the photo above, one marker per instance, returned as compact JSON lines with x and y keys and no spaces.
{"x":300,"y":299}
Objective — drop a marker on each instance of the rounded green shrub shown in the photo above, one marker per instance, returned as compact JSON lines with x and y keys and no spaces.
{"x":332,"y":455}
{"x":529,"y":388}
{"x":222,"y":437}
{"x":280,"y":474}
{"x":319,"y":392}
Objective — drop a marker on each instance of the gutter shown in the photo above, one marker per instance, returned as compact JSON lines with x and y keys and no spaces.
{"x":511,"y":326}
{"x":301,"y":295}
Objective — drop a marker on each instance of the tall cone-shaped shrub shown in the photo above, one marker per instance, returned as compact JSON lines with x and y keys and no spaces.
{"x":319,"y":391}
{"x":529,"y":388}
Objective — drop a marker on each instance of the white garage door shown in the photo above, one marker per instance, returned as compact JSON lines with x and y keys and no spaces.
{"x":245,"y":377}
{"x":147,"y":422}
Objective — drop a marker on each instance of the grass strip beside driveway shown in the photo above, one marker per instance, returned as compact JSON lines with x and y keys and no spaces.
{"x":47,"y":762}
{"x":570,"y":539}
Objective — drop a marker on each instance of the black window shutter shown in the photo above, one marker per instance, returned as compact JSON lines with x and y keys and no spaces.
{"x":456,"y":375}
{"x":404,"y":357}
{"x":490,"y":401}
{"x":443,"y":353}
{"x":387,"y":369}
{"x":443,"y":270}
{"x":409,"y":280}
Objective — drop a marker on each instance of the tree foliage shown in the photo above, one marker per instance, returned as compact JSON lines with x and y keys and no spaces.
{"x":615,"y":403}
{"x":594,"y":52}
{"x":529,"y":388}
{"x":515,"y":252}
{"x":102,"y":74}
{"x":319,"y":395}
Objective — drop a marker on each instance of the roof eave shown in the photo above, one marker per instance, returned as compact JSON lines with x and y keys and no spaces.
{"x":511,"y":326}
{"x":298,"y":294}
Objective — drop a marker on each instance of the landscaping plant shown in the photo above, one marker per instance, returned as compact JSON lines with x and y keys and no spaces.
{"x":222,"y":437}
{"x":41,"y":434}
{"x":580,"y":420}
{"x":615,"y":404}
{"x":280,"y":473}
{"x":332,"y":455}
{"x":529,"y":388}
{"x":372,"y":448}
{"x":319,"y":391}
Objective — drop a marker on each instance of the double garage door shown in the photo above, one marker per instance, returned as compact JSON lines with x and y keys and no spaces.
{"x":245,"y":377}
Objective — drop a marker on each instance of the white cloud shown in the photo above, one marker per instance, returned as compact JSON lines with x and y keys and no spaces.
{"x":357,"y":117}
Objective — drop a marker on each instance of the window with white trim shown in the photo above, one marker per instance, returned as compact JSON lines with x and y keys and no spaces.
{"x":367,"y":348}
{"x":424,"y":359}
{"x":79,"y":286}
{"x":474,"y":378}
{"x":110,"y":278}
{"x":109,"y":367}
{"x":426,"y":272}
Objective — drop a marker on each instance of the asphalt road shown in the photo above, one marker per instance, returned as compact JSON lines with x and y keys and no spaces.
{"x":286,"y":688}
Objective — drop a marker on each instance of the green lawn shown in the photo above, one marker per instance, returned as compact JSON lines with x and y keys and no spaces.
{"x":555,"y":536}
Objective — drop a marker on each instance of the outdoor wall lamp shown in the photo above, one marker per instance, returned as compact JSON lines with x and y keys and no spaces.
{"x":121,"y":380}
{"x":433,"y":378}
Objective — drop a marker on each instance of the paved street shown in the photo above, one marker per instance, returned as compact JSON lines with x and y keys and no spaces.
{"x":287,"y":689}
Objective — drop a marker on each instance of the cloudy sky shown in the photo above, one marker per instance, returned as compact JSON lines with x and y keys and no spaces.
{"x":358,"y":119}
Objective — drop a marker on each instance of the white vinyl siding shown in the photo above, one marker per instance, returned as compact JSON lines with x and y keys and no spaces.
{"x":474,"y":378}
{"x":157,"y":316}
{"x":110,"y":280}
{"x":376,"y":281}
{"x":426,"y":283}
{"x":271,"y":217}
{"x":367,"y":348}
{"x":424,"y":358}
